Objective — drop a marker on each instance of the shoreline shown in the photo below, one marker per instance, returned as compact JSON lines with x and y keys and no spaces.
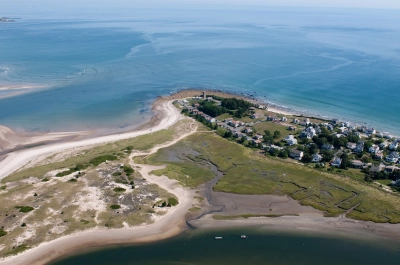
{"x":159,"y":230}
{"x":173,"y":223}
{"x":272,"y":107}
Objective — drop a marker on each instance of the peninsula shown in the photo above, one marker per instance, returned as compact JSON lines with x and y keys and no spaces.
{"x":209,"y":159}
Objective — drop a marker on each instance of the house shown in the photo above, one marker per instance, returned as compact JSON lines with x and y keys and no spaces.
{"x":387,"y":136}
{"x":284,"y":119}
{"x":234,"y":123}
{"x":238,"y":135}
{"x":393,"y":146}
{"x":383,"y":145}
{"x":210,"y":119}
{"x":335,"y":122}
{"x":351,"y":145}
{"x":391,"y":169}
{"x":317,"y":130}
{"x":379,"y":155}
{"x":357,"y":164}
{"x":393,"y":157}
{"x":380,"y":135}
{"x":196,"y":105}
{"x":256,"y":141}
{"x":308,"y":133}
{"x":316,"y":158}
{"x":258,"y":137}
{"x":377,"y":168}
{"x":345,"y":124}
{"x":336,"y":162}
{"x":295,"y":121}
{"x":273,"y":147}
{"x":327,"y":147}
{"x":292,"y":128}
{"x":248,"y":130}
{"x":290,"y":140}
{"x":370,"y":131}
{"x":395,"y":183}
{"x":296,"y":154}
{"x":373,"y":149}
{"x":359,"y":147}
{"x":270,"y":118}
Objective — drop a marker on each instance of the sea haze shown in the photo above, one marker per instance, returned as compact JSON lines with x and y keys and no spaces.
{"x":102,"y":68}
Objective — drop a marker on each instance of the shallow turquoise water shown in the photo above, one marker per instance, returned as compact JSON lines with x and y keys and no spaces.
{"x":104,"y":68}
{"x":199,"y":247}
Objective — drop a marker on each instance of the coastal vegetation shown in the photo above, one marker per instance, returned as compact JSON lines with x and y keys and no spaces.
{"x":248,"y":171}
{"x":102,"y":181}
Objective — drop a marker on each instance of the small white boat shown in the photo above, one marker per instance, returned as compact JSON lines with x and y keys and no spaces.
{"x":243,"y":236}
{"x":218,"y":237}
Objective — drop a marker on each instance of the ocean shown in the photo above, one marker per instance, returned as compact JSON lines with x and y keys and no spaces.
{"x":102,"y":68}
{"x":198,"y":247}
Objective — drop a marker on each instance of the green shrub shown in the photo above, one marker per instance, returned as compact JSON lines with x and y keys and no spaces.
{"x":78,"y":167}
{"x":116,"y":174}
{"x":172,"y":201}
{"x":84,"y":221}
{"x":3,"y":187}
{"x":101,"y":159}
{"x":23,"y":225}
{"x":2,"y":232}
{"x":115,"y":206}
{"x":128,"y":170}
{"x":24,"y":209}
{"x":118,"y":189}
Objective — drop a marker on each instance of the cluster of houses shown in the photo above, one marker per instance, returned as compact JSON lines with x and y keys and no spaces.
{"x":240,"y":129}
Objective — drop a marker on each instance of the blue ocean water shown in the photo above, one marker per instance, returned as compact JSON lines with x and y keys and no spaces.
{"x":102,"y":68}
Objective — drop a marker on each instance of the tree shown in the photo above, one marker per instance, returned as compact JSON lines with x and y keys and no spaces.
{"x":306,"y":158}
{"x":366,"y":159}
{"x":228,"y":134}
{"x":327,"y":155}
{"x":283,"y":153}
{"x":242,"y":140}
{"x":273,"y":152}
{"x":277,"y":134}
{"x":268,"y":139}
{"x":345,"y":161}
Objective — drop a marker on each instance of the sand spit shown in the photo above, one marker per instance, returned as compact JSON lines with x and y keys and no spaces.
{"x":168,"y":115}
{"x":170,"y":224}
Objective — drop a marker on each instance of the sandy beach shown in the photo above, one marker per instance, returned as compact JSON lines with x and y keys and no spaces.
{"x":167,"y":114}
{"x":173,"y":222}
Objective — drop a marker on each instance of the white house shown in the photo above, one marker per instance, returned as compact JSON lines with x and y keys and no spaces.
{"x":284,"y":119}
{"x":393,"y":145}
{"x":316,"y":158}
{"x":393,"y":157}
{"x":373,"y":149}
{"x":336,"y":162}
{"x":290,"y":140}
{"x":308,"y":133}
{"x":351,"y":145}
{"x":296,"y":154}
